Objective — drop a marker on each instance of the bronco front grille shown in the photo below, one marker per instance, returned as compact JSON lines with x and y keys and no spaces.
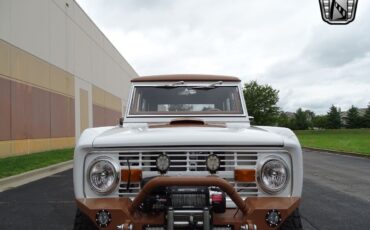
{"x":190,"y":163}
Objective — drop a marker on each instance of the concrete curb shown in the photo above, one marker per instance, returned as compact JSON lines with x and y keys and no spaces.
{"x":338,"y":152}
{"x":30,"y":176}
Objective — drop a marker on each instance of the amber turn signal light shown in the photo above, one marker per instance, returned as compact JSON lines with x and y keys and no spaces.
{"x":133,"y":175}
{"x":245,"y":175}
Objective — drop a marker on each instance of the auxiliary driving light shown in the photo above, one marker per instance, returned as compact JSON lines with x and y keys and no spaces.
{"x":103,"y":218}
{"x":273,"y":218}
{"x":163,"y":163}
{"x":213,"y":163}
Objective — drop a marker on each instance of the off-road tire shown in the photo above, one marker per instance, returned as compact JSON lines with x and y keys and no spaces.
{"x":82,"y":222}
{"x":293,"y":222}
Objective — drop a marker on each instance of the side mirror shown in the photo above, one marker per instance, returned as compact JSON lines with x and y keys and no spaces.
{"x":251,"y":118}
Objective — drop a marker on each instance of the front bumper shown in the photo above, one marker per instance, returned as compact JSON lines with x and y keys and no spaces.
{"x":250,"y":212}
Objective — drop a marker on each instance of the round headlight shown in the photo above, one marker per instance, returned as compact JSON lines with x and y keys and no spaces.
{"x":273,"y":175}
{"x":163,"y":163}
{"x":213,"y":163}
{"x":103,"y":175}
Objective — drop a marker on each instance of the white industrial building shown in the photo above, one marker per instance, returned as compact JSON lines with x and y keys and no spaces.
{"x":59,"y":74}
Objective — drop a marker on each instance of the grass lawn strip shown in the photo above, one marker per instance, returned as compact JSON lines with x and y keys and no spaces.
{"x":345,"y":140}
{"x":19,"y":164}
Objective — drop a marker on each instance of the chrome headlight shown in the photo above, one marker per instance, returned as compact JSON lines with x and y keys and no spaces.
{"x":273,"y":175}
{"x":103,"y":175}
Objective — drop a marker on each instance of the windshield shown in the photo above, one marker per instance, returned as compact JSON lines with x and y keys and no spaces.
{"x":151,"y":100}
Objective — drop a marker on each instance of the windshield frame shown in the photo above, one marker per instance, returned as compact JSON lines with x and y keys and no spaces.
{"x":186,"y":84}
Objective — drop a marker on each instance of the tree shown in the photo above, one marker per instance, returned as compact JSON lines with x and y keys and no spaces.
{"x":353,"y":118}
{"x":285,"y":121}
{"x":333,"y":118}
{"x":310,"y":115}
{"x":301,"y":121}
{"x":261,"y":103}
{"x":320,"y":121}
{"x":366,"y":118}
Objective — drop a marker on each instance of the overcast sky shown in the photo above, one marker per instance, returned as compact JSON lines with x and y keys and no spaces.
{"x":281,"y":43}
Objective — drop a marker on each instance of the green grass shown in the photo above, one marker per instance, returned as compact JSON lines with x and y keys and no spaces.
{"x":346,"y":140}
{"x":19,"y":164}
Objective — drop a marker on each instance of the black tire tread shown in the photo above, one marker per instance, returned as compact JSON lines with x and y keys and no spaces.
{"x":82,"y":222}
{"x":293,"y":222}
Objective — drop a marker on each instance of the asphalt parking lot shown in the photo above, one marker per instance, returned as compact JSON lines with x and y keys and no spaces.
{"x":336,"y":196}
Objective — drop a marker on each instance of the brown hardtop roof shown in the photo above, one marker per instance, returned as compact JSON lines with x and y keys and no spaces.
{"x":185,"y":77}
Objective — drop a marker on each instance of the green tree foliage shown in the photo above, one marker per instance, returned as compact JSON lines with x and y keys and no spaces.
{"x":366,"y":118}
{"x":261,"y":103}
{"x":307,"y":119}
{"x":320,"y":121}
{"x":310,"y":116}
{"x":303,"y":119}
{"x":353,"y":118}
{"x":285,"y":121}
{"x":333,"y":118}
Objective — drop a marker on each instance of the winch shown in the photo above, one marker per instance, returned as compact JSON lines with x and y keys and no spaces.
{"x":188,"y":207}
{"x":182,"y":198}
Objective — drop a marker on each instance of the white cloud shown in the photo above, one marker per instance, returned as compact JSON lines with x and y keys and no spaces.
{"x":282,"y":43}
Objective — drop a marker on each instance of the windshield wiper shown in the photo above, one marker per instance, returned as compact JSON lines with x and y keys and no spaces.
{"x":210,"y":86}
{"x":172,"y":85}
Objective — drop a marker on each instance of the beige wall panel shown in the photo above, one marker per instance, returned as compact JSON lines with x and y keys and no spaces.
{"x":106,"y":99}
{"x":20,"y":147}
{"x":4,"y":58}
{"x":113,"y":102}
{"x":28,"y":68}
{"x":5,"y":148}
{"x":61,"y":81}
{"x":39,"y":145}
{"x":98,"y":96}
{"x":62,"y":143}
{"x":84,"y":111}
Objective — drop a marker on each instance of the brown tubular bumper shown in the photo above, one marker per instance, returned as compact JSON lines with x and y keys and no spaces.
{"x":163,"y":181}
{"x":251,"y":211}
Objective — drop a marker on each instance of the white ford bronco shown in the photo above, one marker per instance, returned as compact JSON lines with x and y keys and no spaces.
{"x":185,"y":156}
